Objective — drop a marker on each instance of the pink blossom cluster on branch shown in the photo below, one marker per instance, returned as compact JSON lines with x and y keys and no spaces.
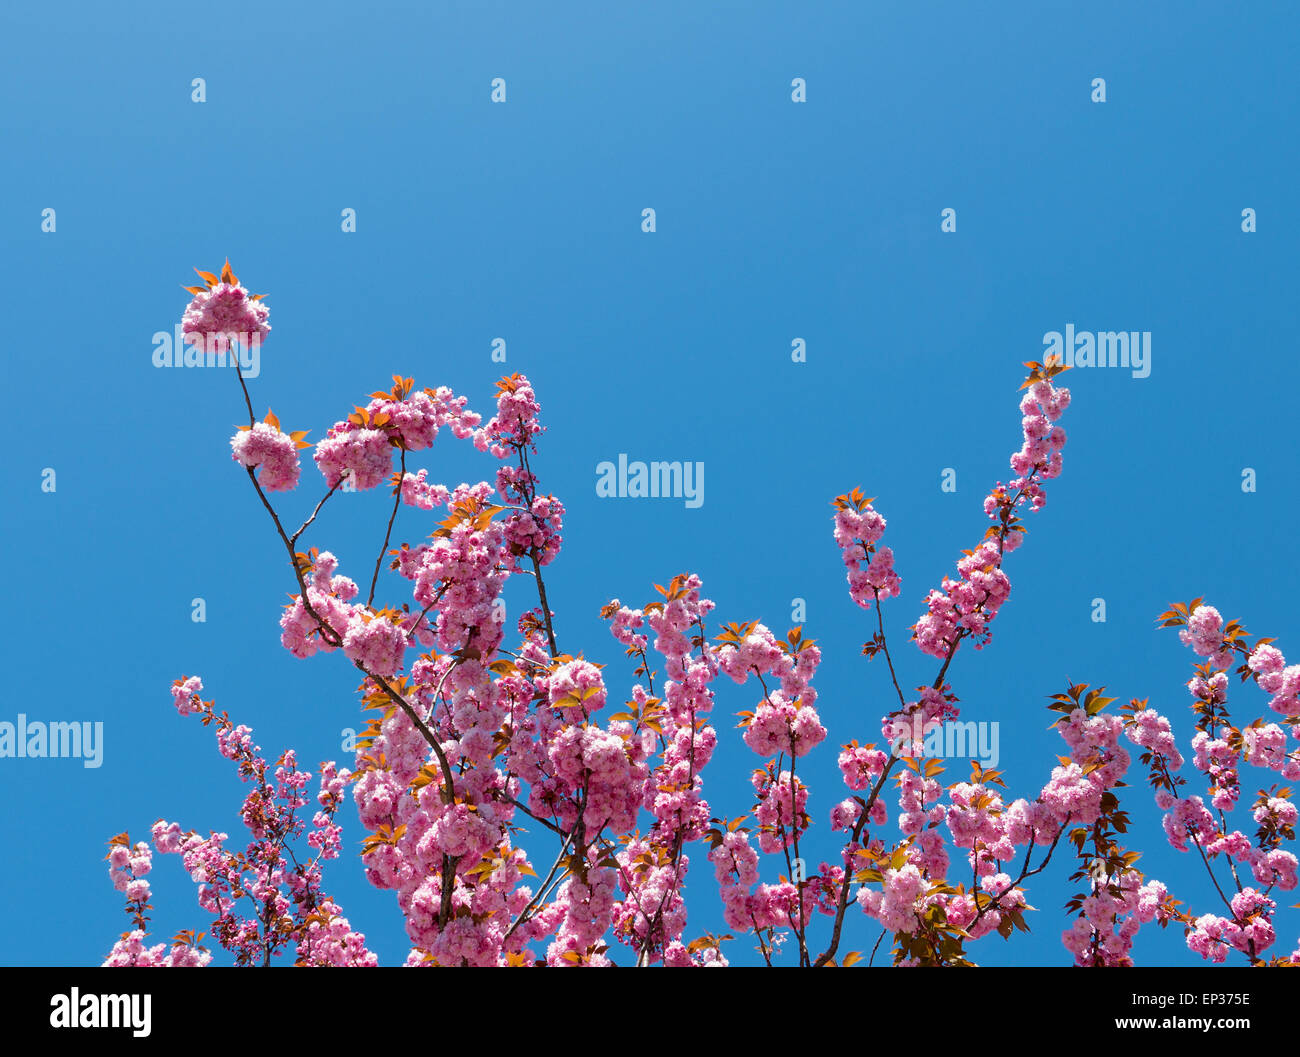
{"x":263,"y":897}
{"x":521,"y":816}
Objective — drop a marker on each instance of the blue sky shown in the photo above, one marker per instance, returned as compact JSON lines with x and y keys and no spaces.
{"x":775,"y":221}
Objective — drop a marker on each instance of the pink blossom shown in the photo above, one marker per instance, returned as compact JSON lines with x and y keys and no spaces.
{"x":226,"y":315}
{"x":263,"y":445}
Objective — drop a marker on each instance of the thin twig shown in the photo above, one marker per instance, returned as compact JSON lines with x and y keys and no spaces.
{"x":383,"y":549}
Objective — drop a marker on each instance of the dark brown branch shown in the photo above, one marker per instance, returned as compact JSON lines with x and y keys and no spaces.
{"x":383,"y":549}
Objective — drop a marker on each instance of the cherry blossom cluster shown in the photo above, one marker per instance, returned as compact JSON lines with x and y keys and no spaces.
{"x":224,"y":313}
{"x":965,"y":607}
{"x":376,"y":641}
{"x":360,"y":447}
{"x":128,"y":865}
{"x":858,"y":528}
{"x":907,"y":888}
{"x":906,"y":728}
{"x":1249,"y":930}
{"x":652,"y":910}
{"x":281,"y":894}
{"x":534,"y":523}
{"x":486,"y":737}
{"x":461,"y":574}
{"x":417,"y":492}
{"x":785,"y":721}
{"x":275,"y":453}
{"x":1111,"y":915}
{"x":419,"y":836}
{"x":517,"y":421}
{"x":442,"y":841}
{"x":1221,"y":748}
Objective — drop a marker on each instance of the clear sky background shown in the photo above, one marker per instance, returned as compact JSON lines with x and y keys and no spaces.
{"x":775,"y":221}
